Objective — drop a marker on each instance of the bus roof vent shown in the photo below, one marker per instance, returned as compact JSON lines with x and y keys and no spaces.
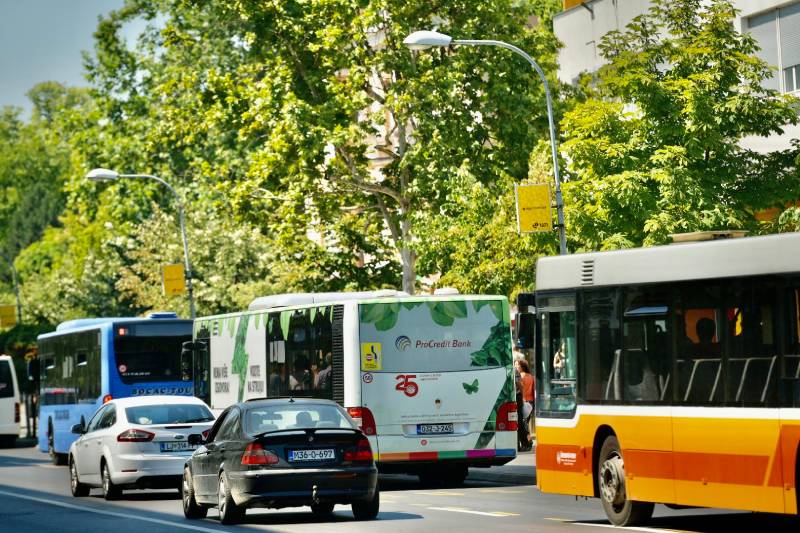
{"x":162,"y":314}
{"x":445,"y":291}
{"x":307,"y":298}
{"x":587,"y":272}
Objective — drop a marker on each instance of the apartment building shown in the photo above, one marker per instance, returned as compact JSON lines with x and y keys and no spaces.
{"x":775,"y":24}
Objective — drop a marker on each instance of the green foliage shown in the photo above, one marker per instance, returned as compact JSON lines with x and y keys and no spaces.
{"x":657,"y":148}
{"x":496,"y":350}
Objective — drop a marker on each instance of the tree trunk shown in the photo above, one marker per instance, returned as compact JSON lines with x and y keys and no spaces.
{"x":408,"y":258}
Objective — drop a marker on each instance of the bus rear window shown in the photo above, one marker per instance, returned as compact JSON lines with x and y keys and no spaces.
{"x":150,"y":352}
{"x":6,"y":384}
{"x":434,"y":336}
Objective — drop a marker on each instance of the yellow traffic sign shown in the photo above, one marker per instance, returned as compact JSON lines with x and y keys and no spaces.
{"x":533,"y":208}
{"x":8,"y":316}
{"x":174,"y":281}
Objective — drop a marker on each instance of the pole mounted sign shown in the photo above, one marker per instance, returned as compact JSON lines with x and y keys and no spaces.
{"x":8,"y":316}
{"x":533,"y":208}
{"x":174,"y":281}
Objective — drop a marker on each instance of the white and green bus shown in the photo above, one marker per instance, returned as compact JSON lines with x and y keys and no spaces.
{"x":429,"y":379}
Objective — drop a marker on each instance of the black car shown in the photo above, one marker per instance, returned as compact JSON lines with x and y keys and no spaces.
{"x":282,"y":452}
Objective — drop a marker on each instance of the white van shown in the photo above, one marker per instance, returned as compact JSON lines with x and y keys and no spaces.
{"x":9,"y":402}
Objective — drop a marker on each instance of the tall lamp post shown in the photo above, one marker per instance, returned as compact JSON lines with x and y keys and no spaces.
{"x":422,"y":40}
{"x":103,"y":174}
{"x":15,"y":281}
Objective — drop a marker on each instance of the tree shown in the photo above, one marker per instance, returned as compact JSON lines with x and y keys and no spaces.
{"x":320,"y":104}
{"x":656,"y":149}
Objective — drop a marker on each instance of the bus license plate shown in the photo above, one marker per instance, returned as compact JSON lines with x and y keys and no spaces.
{"x":434,"y":429}
{"x":177,"y":446}
{"x":312,"y":455}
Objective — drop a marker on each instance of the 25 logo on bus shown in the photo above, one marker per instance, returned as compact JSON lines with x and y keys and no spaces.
{"x":406,"y":386}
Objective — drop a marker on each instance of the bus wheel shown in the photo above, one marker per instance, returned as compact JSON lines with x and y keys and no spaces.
{"x":613,"y":493}
{"x":55,"y":458}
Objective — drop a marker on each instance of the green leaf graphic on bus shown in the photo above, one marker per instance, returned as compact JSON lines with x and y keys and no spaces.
{"x":384,"y":316}
{"x":445,"y":313}
{"x":496,"y":351}
{"x":240,"y":357}
{"x":471,"y":388}
{"x":496,"y":307}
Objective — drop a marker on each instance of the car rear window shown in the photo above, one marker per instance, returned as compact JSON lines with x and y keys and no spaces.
{"x":6,"y":384}
{"x":303,"y":416}
{"x":168,"y":414}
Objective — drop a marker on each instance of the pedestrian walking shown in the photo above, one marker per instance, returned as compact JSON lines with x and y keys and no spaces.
{"x":527,"y":383}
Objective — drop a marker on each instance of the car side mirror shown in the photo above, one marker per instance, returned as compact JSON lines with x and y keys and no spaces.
{"x":78,"y":429}
{"x":196,"y":439}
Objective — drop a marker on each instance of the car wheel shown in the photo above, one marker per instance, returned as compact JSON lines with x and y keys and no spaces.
{"x":77,"y":488}
{"x":611,"y":484}
{"x":229,"y":512}
{"x":55,"y":458}
{"x":322,"y":509}
{"x":110,"y":491}
{"x":368,"y":510}
{"x":191,"y":509}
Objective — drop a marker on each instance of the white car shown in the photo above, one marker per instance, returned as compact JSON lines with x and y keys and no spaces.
{"x":136,"y":443}
{"x":9,"y":402}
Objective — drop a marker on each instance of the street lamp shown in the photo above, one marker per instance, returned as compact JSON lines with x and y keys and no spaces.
{"x":15,"y":281}
{"x":104,"y":174}
{"x":422,"y":40}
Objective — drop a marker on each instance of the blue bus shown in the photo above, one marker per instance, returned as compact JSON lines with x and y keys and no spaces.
{"x":85,"y":363}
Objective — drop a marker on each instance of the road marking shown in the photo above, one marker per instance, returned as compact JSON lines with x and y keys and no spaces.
{"x":50,"y":466}
{"x":496,"y":514}
{"x":438,"y":493}
{"x":501,"y":491}
{"x":629,"y":528}
{"x":107,"y":513}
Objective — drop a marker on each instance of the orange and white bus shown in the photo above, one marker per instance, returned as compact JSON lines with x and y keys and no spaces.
{"x":679,"y":379}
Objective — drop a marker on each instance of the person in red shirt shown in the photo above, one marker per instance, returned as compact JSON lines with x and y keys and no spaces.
{"x":526,"y":385}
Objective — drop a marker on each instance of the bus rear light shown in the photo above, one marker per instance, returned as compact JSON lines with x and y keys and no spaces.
{"x":507,"y":417}
{"x":361,"y":454}
{"x":255,"y":454}
{"x":107,"y":398}
{"x":135,"y":435}
{"x":16,"y":412}
{"x":364,"y":419}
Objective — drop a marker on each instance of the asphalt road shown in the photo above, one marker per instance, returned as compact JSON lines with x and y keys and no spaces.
{"x":34,"y":496}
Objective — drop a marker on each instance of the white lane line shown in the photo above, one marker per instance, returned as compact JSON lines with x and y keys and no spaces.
{"x":107,"y":513}
{"x":495,"y":514}
{"x":629,"y":528}
{"x":500,"y":491}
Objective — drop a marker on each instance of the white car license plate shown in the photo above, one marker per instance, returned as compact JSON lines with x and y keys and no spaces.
{"x":177,"y":446}
{"x":434,"y":429}
{"x":312,"y":455}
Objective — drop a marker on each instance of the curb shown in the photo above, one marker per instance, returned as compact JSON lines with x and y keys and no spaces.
{"x":510,"y":478}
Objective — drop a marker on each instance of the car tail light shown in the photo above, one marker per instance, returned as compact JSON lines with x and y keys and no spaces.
{"x":107,"y":398}
{"x":362,"y":453}
{"x":255,"y":454}
{"x":135,"y":435}
{"x":16,"y":412}
{"x":507,"y":417}
{"x":364,"y":419}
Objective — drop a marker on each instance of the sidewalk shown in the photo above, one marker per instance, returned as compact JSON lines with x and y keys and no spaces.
{"x":520,"y":471}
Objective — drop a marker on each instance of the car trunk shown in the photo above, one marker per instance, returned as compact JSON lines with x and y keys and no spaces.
{"x":312,"y":448}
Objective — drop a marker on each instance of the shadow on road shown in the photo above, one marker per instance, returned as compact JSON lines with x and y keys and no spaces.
{"x":9,"y":461}
{"x":712,"y":522}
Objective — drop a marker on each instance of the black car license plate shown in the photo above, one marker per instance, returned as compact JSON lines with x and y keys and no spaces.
{"x":434,"y":429}
{"x":327,"y":454}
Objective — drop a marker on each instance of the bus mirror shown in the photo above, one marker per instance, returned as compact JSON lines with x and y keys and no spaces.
{"x":187,"y":358}
{"x":34,"y":370}
{"x":525,"y":326}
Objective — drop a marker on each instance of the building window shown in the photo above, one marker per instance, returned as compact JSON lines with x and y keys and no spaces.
{"x":778,"y":35}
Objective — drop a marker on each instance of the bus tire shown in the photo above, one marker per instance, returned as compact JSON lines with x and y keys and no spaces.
{"x":620,"y":510}
{"x":58,"y":459}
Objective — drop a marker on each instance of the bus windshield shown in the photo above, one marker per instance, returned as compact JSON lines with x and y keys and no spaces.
{"x":150,"y":352}
{"x":433,"y":336}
